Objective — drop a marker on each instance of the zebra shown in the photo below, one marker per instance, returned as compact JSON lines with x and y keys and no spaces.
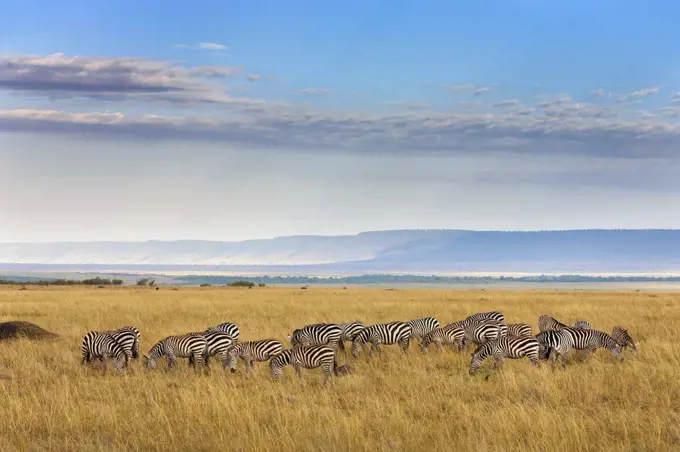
{"x":230,"y":328}
{"x":382,"y":333}
{"x":128,"y":337}
{"x":520,"y":330}
{"x":448,"y":335}
{"x":582,"y":324}
{"x":561,"y":341}
{"x":250,"y":351}
{"x":307,"y":356}
{"x":621,"y":336}
{"x":420,"y":327}
{"x":545,"y":323}
{"x":480,"y":332}
{"x":217,"y":343}
{"x":349,"y":330}
{"x":190,"y":345}
{"x":103,"y":346}
{"x":505,"y":347}
{"x":482,"y":316}
{"x":317,"y":334}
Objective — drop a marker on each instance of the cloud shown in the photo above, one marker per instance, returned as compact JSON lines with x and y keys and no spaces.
{"x":675,"y":98}
{"x":574,"y":129}
{"x":507,"y":103}
{"x":313,"y":91}
{"x":476,"y":90}
{"x":643,"y":93}
{"x":114,"y":78}
{"x":203,"y":46}
{"x":598,"y":92}
{"x":459,"y":87}
{"x":254,"y":77}
{"x":482,"y":90}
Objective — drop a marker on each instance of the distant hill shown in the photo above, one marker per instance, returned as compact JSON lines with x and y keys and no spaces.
{"x":574,"y":251}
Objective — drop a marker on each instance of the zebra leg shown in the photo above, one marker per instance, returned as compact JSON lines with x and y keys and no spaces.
{"x":341,"y":346}
{"x":552,"y":353}
{"x":103,"y":366}
{"x":404,"y":344}
{"x":248,"y":363}
{"x":440,"y":347}
{"x":297,"y":370}
{"x":493,"y":364}
{"x":564,"y":360}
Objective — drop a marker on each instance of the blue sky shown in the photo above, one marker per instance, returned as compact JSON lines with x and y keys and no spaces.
{"x":484,"y":90}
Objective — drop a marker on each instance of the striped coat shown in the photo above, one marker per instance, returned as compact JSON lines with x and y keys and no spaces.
{"x":382,"y":333}
{"x":505,"y":347}
{"x":190,"y":345}
{"x":103,"y":346}
{"x":449,"y":335}
{"x":251,"y":351}
{"x":307,"y":356}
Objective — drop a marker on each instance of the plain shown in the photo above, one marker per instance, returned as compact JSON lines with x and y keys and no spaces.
{"x":48,"y":401}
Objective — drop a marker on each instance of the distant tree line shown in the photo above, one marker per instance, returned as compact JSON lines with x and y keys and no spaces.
{"x":382,"y":279}
{"x":62,"y":282}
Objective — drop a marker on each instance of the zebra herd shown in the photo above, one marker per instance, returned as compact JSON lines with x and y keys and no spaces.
{"x":316,"y":345}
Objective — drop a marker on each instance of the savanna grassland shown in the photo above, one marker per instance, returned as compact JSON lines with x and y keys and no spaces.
{"x":48,"y":401}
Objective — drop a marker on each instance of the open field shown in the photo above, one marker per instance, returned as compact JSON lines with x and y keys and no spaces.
{"x":394,"y":402}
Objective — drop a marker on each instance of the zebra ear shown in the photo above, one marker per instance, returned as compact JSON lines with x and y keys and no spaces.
{"x":146,"y":356}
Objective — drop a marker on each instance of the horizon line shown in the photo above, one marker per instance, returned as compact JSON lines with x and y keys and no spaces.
{"x":148,"y":240}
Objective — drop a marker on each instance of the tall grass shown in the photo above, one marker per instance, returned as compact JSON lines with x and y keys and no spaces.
{"x":393,"y":402}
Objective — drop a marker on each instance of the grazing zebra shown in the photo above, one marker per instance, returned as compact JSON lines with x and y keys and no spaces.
{"x":230,"y":328}
{"x":582,"y":324}
{"x":253,"y":351}
{"x":190,"y":345}
{"x":317,"y":334}
{"x":420,"y":327}
{"x":505,"y":347}
{"x":349,"y":330}
{"x":520,"y":330}
{"x":217,"y":343}
{"x":483,"y":316}
{"x":561,"y":341}
{"x":307,"y":356}
{"x":102,"y":346}
{"x":448,"y":335}
{"x":546,"y":323}
{"x":382,"y":333}
{"x":480,"y":332}
{"x":621,"y":336}
{"x":128,"y":337}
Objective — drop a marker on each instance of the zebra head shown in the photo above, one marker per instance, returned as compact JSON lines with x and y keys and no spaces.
{"x":478,"y":357}
{"x":150,"y":362}
{"x":358,"y":342}
{"x":296,"y":338}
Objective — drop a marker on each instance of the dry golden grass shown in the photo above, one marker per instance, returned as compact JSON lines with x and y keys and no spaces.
{"x":393,"y":402}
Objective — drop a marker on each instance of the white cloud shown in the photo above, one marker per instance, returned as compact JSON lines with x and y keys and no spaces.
{"x":482,"y":90}
{"x":507,"y":103}
{"x":313,"y":91}
{"x":643,"y":92}
{"x":203,"y":46}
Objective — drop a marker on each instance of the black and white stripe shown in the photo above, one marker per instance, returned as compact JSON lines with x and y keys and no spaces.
{"x":230,"y":328}
{"x":621,"y":336}
{"x":420,"y":327}
{"x":172,"y":347}
{"x":382,"y":333}
{"x":448,"y":335}
{"x":505,"y":347}
{"x":307,"y":356}
{"x":217,"y":343}
{"x":496,"y":316}
{"x":250,"y":351}
{"x":480,"y":332}
{"x":317,"y":334}
{"x":547,"y":323}
{"x":520,"y":330}
{"x":128,"y":337}
{"x":582,"y":324}
{"x":349,"y":330}
{"x":103,"y":346}
{"x":559,"y":342}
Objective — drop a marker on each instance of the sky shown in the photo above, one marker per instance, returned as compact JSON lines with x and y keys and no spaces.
{"x":253,"y":119}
